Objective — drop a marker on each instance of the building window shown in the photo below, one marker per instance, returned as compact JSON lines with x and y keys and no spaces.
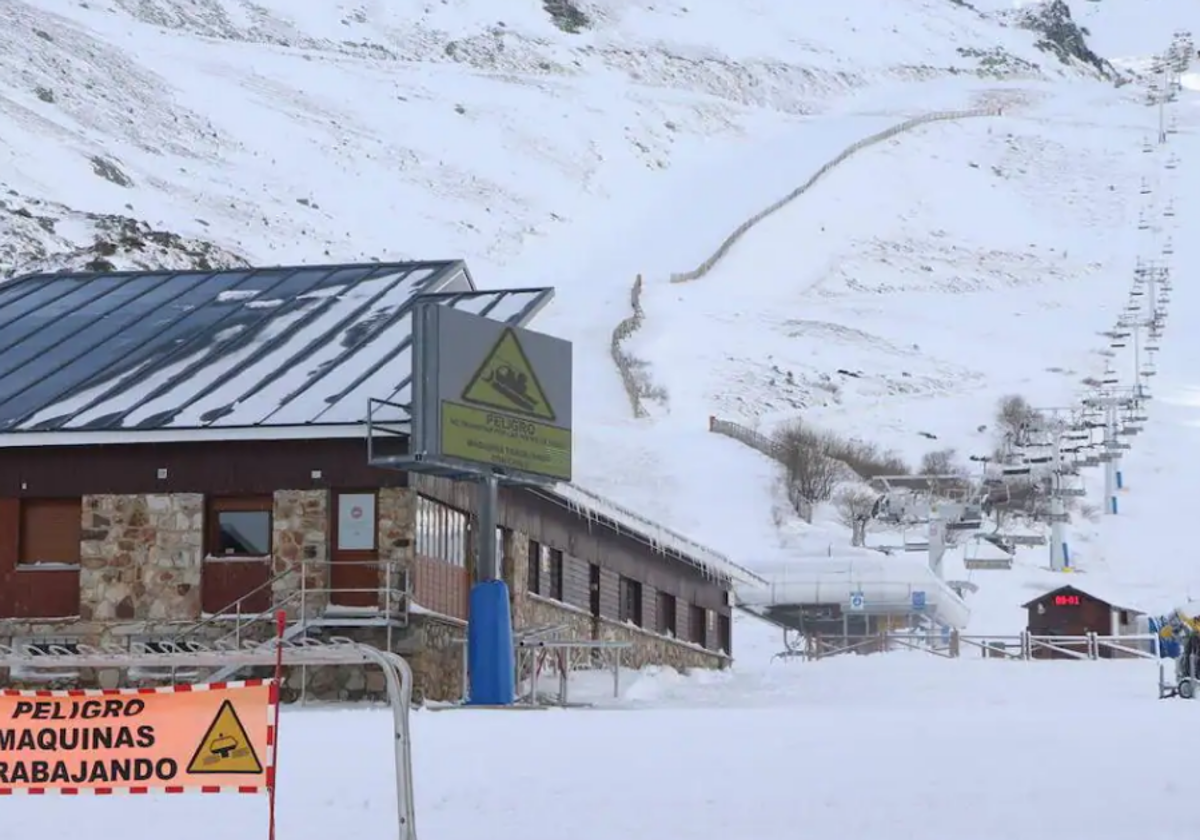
{"x":630,"y":592}
{"x":534,"y":575}
{"x":725,"y":633}
{"x":50,"y":532}
{"x":553,"y":559}
{"x":698,"y":625}
{"x":443,"y":532}
{"x":240,"y":527}
{"x":666,"y":614}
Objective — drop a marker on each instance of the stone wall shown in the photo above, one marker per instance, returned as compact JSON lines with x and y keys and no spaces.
{"x":141,"y":558}
{"x":396,"y":541}
{"x":438,"y":661}
{"x":300,"y":542}
{"x":649,"y":648}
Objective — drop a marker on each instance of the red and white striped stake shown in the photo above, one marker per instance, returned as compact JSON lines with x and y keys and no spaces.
{"x":280,"y":625}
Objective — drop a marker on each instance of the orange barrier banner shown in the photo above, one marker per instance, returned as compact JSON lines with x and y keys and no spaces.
{"x":216,"y":737}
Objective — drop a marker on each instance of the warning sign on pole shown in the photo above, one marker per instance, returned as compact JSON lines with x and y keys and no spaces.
{"x":215,"y":737}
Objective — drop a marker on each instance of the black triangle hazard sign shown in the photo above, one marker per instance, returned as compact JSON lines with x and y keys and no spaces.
{"x":506,"y":381}
{"x":225,"y":747}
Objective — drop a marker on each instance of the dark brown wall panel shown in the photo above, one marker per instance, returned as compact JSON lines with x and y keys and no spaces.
{"x":231,"y":468}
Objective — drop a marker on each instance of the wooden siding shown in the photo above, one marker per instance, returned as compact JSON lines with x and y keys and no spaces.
{"x":440,"y":586}
{"x":229,"y":468}
{"x":610,"y":594}
{"x":576,"y":591}
{"x":225,"y":582}
{"x":1090,"y":615}
{"x":650,"y":608}
{"x":587,"y":541}
{"x":27,"y":591}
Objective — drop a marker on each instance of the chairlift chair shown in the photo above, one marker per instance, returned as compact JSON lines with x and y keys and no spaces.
{"x":1149,"y":371}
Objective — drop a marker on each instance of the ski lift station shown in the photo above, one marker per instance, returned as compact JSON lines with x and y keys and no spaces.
{"x":854,"y":595}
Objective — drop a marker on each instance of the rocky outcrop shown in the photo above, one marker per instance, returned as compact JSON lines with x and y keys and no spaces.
{"x":44,"y":236}
{"x":1062,"y":36}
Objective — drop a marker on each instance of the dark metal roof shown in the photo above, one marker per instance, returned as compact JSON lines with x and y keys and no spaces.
{"x":221,"y":349}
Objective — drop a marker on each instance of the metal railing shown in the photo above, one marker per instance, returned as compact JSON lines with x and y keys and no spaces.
{"x":336,"y":652}
{"x":1023,"y":646}
{"x":385,"y":605}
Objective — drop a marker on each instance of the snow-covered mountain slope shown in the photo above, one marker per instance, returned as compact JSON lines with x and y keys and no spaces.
{"x":896,"y":300}
{"x":337,"y":131}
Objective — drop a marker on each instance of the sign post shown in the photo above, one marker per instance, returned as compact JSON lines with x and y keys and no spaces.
{"x":491,"y":403}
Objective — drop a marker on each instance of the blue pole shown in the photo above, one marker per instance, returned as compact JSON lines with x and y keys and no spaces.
{"x":1120,"y":481}
{"x":1113,"y":504}
{"x":490,"y":654}
{"x":1066,"y":551}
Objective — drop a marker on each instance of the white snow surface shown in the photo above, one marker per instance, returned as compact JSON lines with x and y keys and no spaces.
{"x":939,"y":270}
{"x":903,"y":745}
{"x":896,"y":301}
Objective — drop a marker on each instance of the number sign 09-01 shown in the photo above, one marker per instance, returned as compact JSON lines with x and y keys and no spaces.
{"x":1066,"y":601}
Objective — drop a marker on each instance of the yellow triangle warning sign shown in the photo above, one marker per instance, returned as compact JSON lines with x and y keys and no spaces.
{"x":225,"y":747}
{"x":506,"y":382}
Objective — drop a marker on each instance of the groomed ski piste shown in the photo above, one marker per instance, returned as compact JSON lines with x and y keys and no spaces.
{"x":943,"y":268}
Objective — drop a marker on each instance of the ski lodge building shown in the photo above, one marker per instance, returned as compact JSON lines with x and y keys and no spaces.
{"x":184,"y":453}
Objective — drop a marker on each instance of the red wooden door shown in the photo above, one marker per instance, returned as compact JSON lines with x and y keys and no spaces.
{"x":355,"y":576}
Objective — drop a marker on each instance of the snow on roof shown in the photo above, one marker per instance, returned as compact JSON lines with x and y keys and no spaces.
{"x":242,"y":348}
{"x":1112,"y":595}
{"x":883,"y":581}
{"x":591,"y":505}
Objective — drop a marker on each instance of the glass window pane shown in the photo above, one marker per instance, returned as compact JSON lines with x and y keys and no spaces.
{"x":244,"y":533}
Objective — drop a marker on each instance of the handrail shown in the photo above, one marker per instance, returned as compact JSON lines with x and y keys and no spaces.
{"x":235,"y":607}
{"x":388,"y":591}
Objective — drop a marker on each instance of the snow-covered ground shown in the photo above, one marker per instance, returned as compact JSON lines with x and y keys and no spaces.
{"x":905,"y":745}
{"x":939,"y":270}
{"x":895,"y":301}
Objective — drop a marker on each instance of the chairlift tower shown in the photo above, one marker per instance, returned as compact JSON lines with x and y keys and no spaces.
{"x":1054,"y":427}
{"x":912,"y":500}
{"x":1112,"y":402}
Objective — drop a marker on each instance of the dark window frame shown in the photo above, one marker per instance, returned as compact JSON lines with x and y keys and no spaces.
{"x":533,"y":574}
{"x":629,"y":601}
{"x":666,"y":614}
{"x":554,"y":573}
{"x":697,"y":625}
{"x":217,"y":505}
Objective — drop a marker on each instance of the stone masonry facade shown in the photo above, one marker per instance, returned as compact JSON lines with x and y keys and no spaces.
{"x":142,"y":558}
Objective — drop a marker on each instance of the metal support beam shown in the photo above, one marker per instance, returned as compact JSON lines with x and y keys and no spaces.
{"x":487,"y":566}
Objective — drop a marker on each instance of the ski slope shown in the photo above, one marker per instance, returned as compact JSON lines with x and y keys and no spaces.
{"x":895,"y":301}
{"x":945,"y":267}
